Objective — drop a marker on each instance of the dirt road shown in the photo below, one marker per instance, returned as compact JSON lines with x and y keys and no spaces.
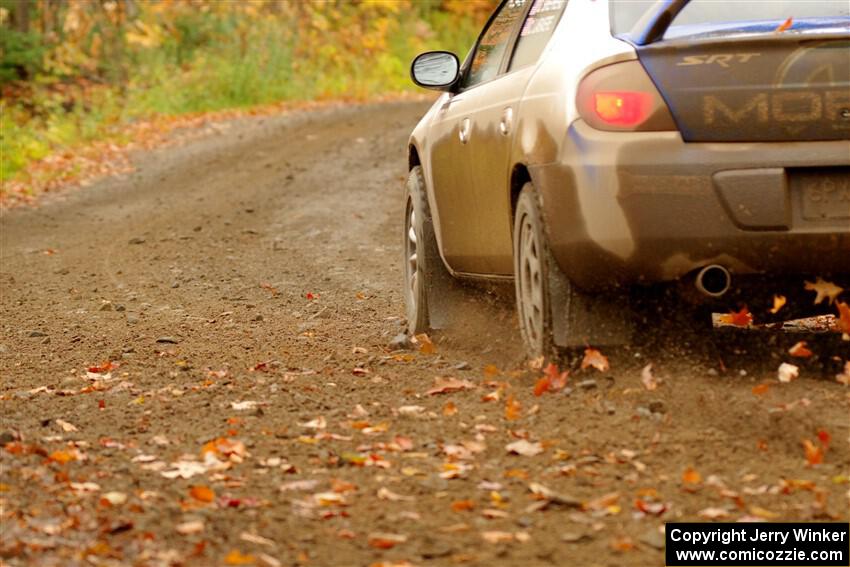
{"x":246,"y":288}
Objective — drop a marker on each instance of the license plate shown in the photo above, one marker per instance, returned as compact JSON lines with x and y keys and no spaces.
{"x":825,"y":192}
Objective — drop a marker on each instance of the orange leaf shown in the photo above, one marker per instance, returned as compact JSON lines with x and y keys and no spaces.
{"x":449,"y":409}
{"x":596,"y":359}
{"x":516,"y":473}
{"x":385,"y":541}
{"x":491,"y":370}
{"x":691,"y":477}
{"x":553,"y":380}
{"x":342,"y":486}
{"x":512,"y":408}
{"x":541,"y":386}
{"x":778,"y":303}
{"x":463,"y":505}
{"x":103,"y":368}
{"x":824,"y":290}
{"x":814,"y":454}
{"x":824,"y":437}
{"x":800,"y":351}
{"x":202,"y":493}
{"x":761,"y":389}
{"x":843,"y":317}
{"x":425,"y":344}
{"x":235,"y":557}
{"x":785,"y":25}
{"x":62,"y":457}
{"x":622,"y":544}
{"x":740,"y":318}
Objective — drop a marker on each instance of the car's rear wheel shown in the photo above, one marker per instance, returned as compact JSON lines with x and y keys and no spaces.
{"x":555,"y":316}
{"x":429,"y":288}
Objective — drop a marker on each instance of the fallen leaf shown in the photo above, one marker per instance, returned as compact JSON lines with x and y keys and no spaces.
{"x":622,"y":544}
{"x":270,"y":288}
{"x":524,"y":448}
{"x":449,"y":409}
{"x":513,"y":408}
{"x":824,"y":290}
{"x":114,"y":498}
{"x":448,"y":385}
{"x":318,"y":423}
{"x":603,"y":502}
{"x":764,"y":513}
{"x":648,"y":378}
{"x":553,"y":380}
{"x":491,"y":371}
{"x":202,"y":493}
{"x":814,"y":454}
{"x":800,"y":350}
{"x":236,"y":557}
{"x":650,"y":508}
{"x":103,"y":368}
{"x":843,"y":322}
{"x":691,"y":477}
{"x":742,"y":318}
{"x":463,"y":505}
{"x":62,"y":457}
{"x":305,"y":484}
{"x":246,"y":405}
{"x":254,"y":538}
{"x":329,"y":499}
{"x":497,"y":537}
{"x":761,"y":389}
{"x":65,"y":426}
{"x":713,"y":513}
{"x":425,"y":344}
{"x":596,"y":359}
{"x":844,"y":377}
{"x":190,"y":527}
{"x":552,"y":496}
{"x":785,"y":25}
{"x":541,"y":386}
{"x":787,"y":372}
{"x":385,"y":493}
{"x":778,"y":303}
{"x":386,"y":540}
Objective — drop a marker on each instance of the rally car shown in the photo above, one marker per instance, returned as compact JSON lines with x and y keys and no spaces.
{"x":586,"y":148}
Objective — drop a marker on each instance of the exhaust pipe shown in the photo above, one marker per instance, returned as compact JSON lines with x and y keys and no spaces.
{"x":713,"y":280}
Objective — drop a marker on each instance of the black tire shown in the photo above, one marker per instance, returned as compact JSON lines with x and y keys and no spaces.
{"x":429,"y":288}
{"x":554,"y":315}
{"x":533,"y":267}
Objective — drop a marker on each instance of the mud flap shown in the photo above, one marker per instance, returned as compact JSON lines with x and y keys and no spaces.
{"x":580,"y":319}
{"x":445,"y":296}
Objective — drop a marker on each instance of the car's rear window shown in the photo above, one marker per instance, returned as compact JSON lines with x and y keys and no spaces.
{"x":701,"y":15}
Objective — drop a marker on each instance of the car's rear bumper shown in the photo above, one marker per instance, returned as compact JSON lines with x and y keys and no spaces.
{"x":648,"y":207}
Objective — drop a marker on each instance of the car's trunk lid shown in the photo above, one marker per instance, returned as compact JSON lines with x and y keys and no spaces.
{"x":754,"y":87}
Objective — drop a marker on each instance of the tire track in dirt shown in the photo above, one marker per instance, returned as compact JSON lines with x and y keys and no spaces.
{"x":238,"y":228}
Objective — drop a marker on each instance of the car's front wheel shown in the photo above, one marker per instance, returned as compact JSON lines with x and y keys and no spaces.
{"x":429,"y":288}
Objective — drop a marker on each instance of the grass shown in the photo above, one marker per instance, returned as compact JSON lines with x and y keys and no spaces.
{"x":249,"y":64}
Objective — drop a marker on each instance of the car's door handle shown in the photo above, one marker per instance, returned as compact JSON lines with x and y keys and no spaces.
{"x":463,"y":133}
{"x":507,"y":121}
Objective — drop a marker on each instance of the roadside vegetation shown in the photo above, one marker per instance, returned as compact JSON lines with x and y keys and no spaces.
{"x":78,"y":72}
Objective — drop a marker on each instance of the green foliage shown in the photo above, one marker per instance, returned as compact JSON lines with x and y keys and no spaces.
{"x":94,"y":65}
{"x":21,"y":55}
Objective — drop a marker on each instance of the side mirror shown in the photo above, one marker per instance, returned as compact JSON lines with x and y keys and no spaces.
{"x":435,"y":70}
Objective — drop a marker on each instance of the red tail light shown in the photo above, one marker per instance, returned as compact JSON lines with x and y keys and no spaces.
{"x":622,"y":108}
{"x":622,"y":97}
